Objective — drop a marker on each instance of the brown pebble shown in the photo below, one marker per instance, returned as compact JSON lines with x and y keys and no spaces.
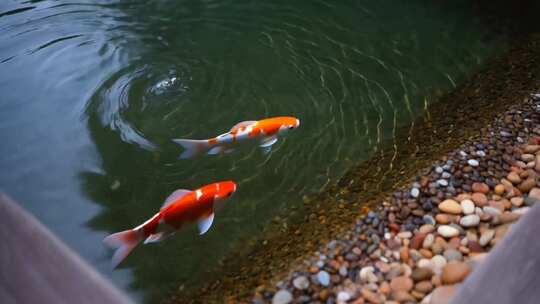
{"x":401,"y":283}
{"x":384,"y":288}
{"x":480,"y":187}
{"x":426,"y":253}
{"x":402,"y":296}
{"x":509,"y":217}
{"x":370,"y":296}
{"x":423,"y":286}
{"x":324,"y":294}
{"x":416,"y":241}
{"x":474,"y":246}
{"x":499,"y":189}
{"x":421,"y":274}
{"x":527,"y":185}
{"x":442,"y":294}
{"x":455,"y":272}
{"x":479,"y":199}
{"x":404,"y":254}
{"x":443,"y":218}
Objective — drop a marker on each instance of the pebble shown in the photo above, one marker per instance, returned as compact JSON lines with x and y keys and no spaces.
{"x":428,"y":241}
{"x":450,"y":206}
{"x":442,"y":294}
{"x":301,"y":283}
{"x":479,"y":199}
{"x":486,"y":237}
{"x":452,"y":255}
{"x":421,"y":274}
{"x":423,"y":287}
{"x":471,"y":220}
{"x":480,"y":187}
{"x":401,"y":283}
{"x":438,"y":262}
{"x":455,"y":272}
{"x":473,"y":162}
{"x":442,"y":182}
{"x":494,"y":212}
{"x":447,"y":231}
{"x":514,"y":178}
{"x":324,"y":278}
{"x":415,"y":192}
{"x":367,"y":274}
{"x":282,"y":297}
{"x":343,"y":296}
{"x":467,"y":206}
{"x":405,"y":235}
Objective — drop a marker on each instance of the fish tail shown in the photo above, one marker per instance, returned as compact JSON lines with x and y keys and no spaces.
{"x":124,"y":242}
{"x":192,"y":147}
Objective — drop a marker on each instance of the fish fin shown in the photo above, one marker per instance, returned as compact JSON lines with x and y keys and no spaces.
{"x":267,"y":142}
{"x":176,"y":195}
{"x":124,"y":242}
{"x":205,"y":223}
{"x":243,"y":124}
{"x":216,"y":150}
{"x":192,"y":147}
{"x":156,"y":237}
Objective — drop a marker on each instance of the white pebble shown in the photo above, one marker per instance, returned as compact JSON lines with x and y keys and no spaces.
{"x":463,"y":153}
{"x":447,"y":231}
{"x":473,"y":162}
{"x":324,"y":278}
{"x":439,"y":170}
{"x":480,"y":153}
{"x":301,"y":283}
{"x":470,"y":220}
{"x":486,"y":237}
{"x":442,"y":182}
{"x":343,"y":296}
{"x":415,"y":192}
{"x":282,"y":297}
{"x":467,"y":206}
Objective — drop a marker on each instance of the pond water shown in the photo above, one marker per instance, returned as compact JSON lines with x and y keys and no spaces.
{"x":94,"y":91}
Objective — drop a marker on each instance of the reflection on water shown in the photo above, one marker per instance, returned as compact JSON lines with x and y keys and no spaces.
{"x":94,"y":91}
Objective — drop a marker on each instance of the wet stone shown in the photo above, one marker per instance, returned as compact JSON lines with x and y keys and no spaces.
{"x":301,"y":283}
{"x":282,"y":297}
{"x":323,"y":278}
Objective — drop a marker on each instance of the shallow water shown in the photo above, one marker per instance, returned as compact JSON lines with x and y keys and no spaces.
{"x":94,"y":91}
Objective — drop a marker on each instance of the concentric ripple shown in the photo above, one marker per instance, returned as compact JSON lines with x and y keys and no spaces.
{"x":114,"y":82}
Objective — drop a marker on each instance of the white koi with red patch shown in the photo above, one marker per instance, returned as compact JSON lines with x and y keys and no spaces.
{"x":265,"y":130}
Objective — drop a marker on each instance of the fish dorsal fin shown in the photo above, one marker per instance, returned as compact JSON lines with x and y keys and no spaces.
{"x":176,"y":195}
{"x":243,"y":124}
{"x":267,"y":142}
{"x":205,"y":223}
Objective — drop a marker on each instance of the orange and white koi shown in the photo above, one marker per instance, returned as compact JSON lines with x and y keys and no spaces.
{"x":265,"y":130}
{"x":181,"y":207}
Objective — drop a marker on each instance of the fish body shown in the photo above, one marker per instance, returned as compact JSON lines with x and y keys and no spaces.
{"x":266,"y":131}
{"x":181,"y":207}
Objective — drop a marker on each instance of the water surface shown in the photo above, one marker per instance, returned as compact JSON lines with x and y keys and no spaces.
{"x":94,"y":91}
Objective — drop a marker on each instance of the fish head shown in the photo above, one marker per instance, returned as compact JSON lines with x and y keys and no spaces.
{"x":288,"y":123}
{"x":224,"y":190}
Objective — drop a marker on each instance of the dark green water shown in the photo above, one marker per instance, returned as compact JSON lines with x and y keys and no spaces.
{"x":94,"y":91}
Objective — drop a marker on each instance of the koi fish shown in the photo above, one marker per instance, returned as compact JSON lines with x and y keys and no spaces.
{"x":181,"y":207}
{"x":266,"y":131}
